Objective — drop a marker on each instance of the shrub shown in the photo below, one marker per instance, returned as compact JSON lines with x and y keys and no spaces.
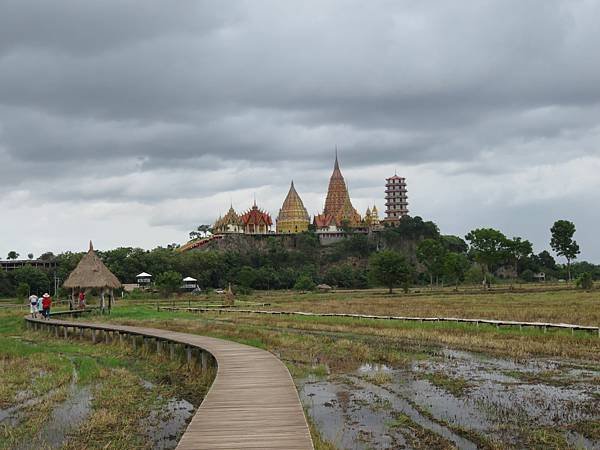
{"x":585,"y":281}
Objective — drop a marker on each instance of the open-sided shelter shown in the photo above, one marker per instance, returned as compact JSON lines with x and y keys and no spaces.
{"x":91,"y":273}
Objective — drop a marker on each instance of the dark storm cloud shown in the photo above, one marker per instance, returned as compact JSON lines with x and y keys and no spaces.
{"x":144,"y":101}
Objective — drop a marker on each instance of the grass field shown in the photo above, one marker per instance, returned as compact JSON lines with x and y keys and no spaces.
{"x":334,"y":351}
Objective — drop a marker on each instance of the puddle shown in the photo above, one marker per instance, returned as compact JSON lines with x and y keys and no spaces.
{"x":65,"y":417}
{"x":165,"y":427}
{"x":497,"y":400}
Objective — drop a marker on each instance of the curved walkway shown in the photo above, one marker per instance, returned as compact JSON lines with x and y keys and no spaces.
{"x":252,"y":403}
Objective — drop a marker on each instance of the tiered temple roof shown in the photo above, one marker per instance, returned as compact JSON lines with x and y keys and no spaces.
{"x":230,"y":223}
{"x":293,"y":217}
{"x":256,"y":221}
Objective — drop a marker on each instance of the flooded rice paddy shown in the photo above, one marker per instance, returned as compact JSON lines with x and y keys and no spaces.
{"x":459,"y":400}
{"x":162,"y":428}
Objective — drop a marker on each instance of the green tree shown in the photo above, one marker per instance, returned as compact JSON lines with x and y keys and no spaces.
{"x":30,"y":255}
{"x":455,"y":267}
{"x":488,"y":247}
{"x":12,"y":255}
{"x":304,"y":283}
{"x":562,"y":242}
{"x":517,"y":250}
{"x":430,"y":253}
{"x":169,"y":282}
{"x":390,"y":269}
{"x":35,"y":278}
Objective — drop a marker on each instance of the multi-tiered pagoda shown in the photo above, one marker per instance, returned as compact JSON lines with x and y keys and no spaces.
{"x":338,"y":211}
{"x":293,"y":217}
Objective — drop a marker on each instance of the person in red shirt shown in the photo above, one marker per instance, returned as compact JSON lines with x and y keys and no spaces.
{"x":81,"y":300}
{"x":46,"y":305}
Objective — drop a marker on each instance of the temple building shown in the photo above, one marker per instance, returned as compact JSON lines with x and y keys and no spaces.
{"x":256,"y":221}
{"x":293,"y":217}
{"x":371,"y":220}
{"x":230,"y":223}
{"x":396,"y":199}
{"x":338,"y":210}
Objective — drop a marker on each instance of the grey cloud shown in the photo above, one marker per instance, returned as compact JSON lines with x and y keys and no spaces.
{"x":148,"y":102}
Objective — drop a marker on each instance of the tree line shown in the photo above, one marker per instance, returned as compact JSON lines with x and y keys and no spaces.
{"x":413,"y":253}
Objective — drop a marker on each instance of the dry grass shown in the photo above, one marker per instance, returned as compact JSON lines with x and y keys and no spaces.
{"x":567,"y":305}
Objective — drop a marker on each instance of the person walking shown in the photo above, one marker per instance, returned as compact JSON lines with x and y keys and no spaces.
{"x":40,"y":307}
{"x":33,"y":305}
{"x":46,"y":305}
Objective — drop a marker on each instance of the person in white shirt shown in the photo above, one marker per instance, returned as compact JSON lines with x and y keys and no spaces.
{"x":33,"y":305}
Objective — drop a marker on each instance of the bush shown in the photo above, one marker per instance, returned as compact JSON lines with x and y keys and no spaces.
{"x":304,"y":283}
{"x":585,"y":281}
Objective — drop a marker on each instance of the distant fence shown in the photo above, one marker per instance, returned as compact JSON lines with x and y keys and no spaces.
{"x":498,"y":323}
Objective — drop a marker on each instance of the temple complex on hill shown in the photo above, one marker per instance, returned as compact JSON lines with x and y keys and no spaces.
{"x":338,"y":217}
{"x":338,"y":211}
{"x":293,"y":217}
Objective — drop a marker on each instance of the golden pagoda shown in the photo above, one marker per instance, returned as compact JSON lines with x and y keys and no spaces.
{"x":338,"y":205}
{"x":293,"y":217}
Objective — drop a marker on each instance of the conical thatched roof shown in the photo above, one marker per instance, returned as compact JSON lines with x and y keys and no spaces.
{"x":91,"y":273}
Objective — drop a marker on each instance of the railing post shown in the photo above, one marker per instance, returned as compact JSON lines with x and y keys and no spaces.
{"x":66,"y":332}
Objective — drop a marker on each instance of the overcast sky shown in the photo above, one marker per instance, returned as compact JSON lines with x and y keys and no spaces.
{"x":131,"y":122}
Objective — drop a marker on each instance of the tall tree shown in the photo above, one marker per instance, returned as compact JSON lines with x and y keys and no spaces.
{"x":12,"y":255}
{"x":430,"y":253}
{"x":389,"y":268}
{"x":488,"y":247}
{"x":562,"y":241}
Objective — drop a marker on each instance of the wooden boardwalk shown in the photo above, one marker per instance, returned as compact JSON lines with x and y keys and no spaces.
{"x":498,"y":323}
{"x":252,"y":403}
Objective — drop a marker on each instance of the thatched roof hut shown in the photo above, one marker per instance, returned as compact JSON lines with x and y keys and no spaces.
{"x":91,"y":273}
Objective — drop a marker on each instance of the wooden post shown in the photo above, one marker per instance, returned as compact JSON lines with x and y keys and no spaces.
{"x":107,"y":336}
{"x":172,"y":350}
{"x":188,"y":354}
{"x":204,"y":359}
{"x":120,"y":337}
{"x":80,"y":333}
{"x":158,"y":346}
{"x":134,"y":341}
{"x":93,"y":335}
{"x":56,"y":331}
{"x":66,"y":331}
